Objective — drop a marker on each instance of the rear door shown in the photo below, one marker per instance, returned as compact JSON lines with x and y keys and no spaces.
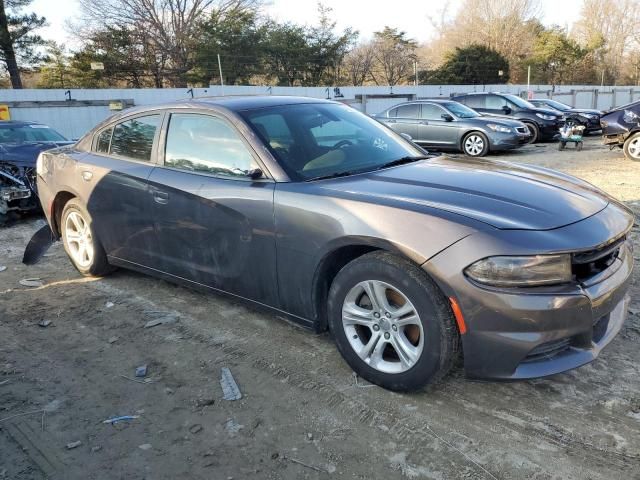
{"x":405,"y":119}
{"x":433,"y":129}
{"x":213,"y":222}
{"x":477,"y":102}
{"x":115,"y":173}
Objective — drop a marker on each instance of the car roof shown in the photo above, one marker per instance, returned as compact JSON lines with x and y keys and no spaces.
{"x":17,"y":123}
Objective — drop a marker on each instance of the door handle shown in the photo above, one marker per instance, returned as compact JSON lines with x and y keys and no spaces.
{"x":161,"y":197}
{"x":423,"y":122}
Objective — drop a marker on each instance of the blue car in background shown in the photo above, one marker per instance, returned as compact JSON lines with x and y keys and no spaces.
{"x":20,"y":145}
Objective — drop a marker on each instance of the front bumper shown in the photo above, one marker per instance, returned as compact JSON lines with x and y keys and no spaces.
{"x":528,"y":333}
{"x":508,"y":141}
{"x":549,"y":129}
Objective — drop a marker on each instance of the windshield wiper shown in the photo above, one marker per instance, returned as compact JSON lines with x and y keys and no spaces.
{"x":331,"y":175}
{"x":402,"y":161}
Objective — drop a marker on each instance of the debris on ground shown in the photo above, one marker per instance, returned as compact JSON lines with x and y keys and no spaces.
{"x":204,"y":402}
{"x":44,"y":323}
{"x":95,"y":449}
{"x":197,"y":428}
{"x":113,"y":339}
{"x":141,"y":371}
{"x":145,"y":446}
{"x":31,"y":282}
{"x":309,"y":436}
{"x":2,"y":268}
{"x":109,"y":304}
{"x":4,"y":382}
{"x":232,"y":426}
{"x":165,"y":318}
{"x":72,"y":445}
{"x":123,"y":418}
{"x":229,"y":386}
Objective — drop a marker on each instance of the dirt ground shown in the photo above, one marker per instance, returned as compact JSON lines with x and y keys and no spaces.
{"x":302,"y":414}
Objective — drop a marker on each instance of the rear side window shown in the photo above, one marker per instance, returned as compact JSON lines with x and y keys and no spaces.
{"x":104,"y":140}
{"x":408,"y":111}
{"x":475,"y":101}
{"x":134,"y":138}
{"x":495,"y":102}
{"x":206,"y":144}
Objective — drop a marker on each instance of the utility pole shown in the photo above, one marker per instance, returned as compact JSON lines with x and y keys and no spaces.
{"x":529,"y":83}
{"x":221,"y":79}
{"x":602,"y":80}
{"x":415,"y":73}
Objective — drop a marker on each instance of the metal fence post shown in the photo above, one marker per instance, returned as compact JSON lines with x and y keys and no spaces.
{"x":594,"y":98}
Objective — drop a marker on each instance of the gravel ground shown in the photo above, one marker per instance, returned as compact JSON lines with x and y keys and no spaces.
{"x":302,"y":414}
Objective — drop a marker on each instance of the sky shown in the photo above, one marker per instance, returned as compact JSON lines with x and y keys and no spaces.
{"x":366,"y":16}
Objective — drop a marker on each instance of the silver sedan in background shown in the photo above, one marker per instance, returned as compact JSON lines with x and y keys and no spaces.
{"x":449,"y":125}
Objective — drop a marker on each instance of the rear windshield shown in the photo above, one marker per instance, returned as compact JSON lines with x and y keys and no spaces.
{"x":29,"y":134}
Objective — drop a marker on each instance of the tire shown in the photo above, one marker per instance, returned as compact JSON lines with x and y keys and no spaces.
{"x":561,"y":145}
{"x":475,"y":144}
{"x":631,"y":147}
{"x":534,"y":131}
{"x":78,"y":236}
{"x":424,"y":334}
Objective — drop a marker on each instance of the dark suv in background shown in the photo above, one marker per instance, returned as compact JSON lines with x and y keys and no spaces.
{"x":543,"y":123}
{"x":588,"y":117}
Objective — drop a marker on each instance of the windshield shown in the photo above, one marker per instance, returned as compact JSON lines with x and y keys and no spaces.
{"x":557,"y":105}
{"x":519,"y":102}
{"x":317,"y":140}
{"x":29,"y":133}
{"x":460,"y":110}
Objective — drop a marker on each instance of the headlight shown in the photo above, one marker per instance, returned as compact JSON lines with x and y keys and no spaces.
{"x":544,"y":116}
{"x":498,"y":128}
{"x":522,"y":271}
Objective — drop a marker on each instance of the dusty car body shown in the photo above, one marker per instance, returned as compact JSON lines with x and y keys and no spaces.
{"x":334,"y":220}
{"x":449,"y":125}
{"x":20,"y":144}
{"x":621,"y":128}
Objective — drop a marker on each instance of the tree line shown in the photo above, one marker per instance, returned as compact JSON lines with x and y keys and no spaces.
{"x":179,"y":43}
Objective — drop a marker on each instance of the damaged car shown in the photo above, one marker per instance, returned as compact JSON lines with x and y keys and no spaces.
{"x":20,"y":145}
{"x":313,"y":210}
{"x":621,"y":128}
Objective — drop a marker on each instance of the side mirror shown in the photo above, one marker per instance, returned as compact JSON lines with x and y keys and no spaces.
{"x":446,"y":117}
{"x":406,"y":136}
{"x":506,"y":109}
{"x":254,"y":173}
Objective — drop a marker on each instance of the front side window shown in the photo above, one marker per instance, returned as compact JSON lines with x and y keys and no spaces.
{"x":134,"y":138}
{"x":495,"y":102}
{"x":104,"y":140}
{"x":206,"y":144}
{"x":432,"y":112}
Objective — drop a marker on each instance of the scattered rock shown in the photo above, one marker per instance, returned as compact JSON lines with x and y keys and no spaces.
{"x":274,"y":455}
{"x":31,"y":282}
{"x":309,"y":436}
{"x":165,"y":318}
{"x":204,"y":402}
{"x":169,"y":391}
{"x":44,"y":323}
{"x":72,"y":445}
{"x":145,"y":446}
{"x":95,"y":449}
{"x":197,"y":428}
{"x":109,"y":304}
{"x":113,"y":339}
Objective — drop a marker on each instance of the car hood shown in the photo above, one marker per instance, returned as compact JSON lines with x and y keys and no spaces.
{"x":500,"y":194}
{"x":26,"y":154}
{"x":584,"y":110}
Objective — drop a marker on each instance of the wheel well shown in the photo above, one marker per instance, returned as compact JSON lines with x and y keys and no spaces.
{"x":58,"y":205}
{"x":329,"y":267}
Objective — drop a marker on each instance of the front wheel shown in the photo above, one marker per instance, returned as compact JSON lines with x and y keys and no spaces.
{"x":80,"y":242}
{"x":475,"y":144}
{"x":534,"y":131}
{"x":631,"y":147}
{"x":391,"y":323}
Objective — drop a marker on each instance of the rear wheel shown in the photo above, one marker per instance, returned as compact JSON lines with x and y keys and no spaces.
{"x":631,"y":147}
{"x":80,"y":242}
{"x":475,"y":144}
{"x":534,"y":131}
{"x":391,"y":323}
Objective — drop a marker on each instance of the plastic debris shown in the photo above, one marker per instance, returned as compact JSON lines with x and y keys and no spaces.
{"x":164,"y":320}
{"x":109,"y":304}
{"x":31,"y":282}
{"x":141,"y":371}
{"x":44,"y":323}
{"x":72,"y":445}
{"x":123,"y":418}
{"x":2,"y":268}
{"x":145,"y":446}
{"x":229,"y":386}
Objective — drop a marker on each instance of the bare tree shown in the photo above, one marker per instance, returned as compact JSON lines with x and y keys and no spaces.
{"x":393,"y":55}
{"x":170,"y":27}
{"x":358,"y":63}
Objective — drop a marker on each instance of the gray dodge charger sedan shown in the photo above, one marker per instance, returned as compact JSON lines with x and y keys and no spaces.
{"x":311,"y":209}
{"x":449,"y":125}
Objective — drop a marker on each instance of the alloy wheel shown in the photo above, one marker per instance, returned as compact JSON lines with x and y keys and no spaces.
{"x":473,"y":145}
{"x":382,"y":326}
{"x":79,"y":239}
{"x":634,"y":148}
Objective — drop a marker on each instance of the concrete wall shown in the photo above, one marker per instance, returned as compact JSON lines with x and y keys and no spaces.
{"x":73,"y":119}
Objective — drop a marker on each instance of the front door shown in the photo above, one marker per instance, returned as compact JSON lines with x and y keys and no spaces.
{"x":214,"y":223}
{"x":435,"y":130}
